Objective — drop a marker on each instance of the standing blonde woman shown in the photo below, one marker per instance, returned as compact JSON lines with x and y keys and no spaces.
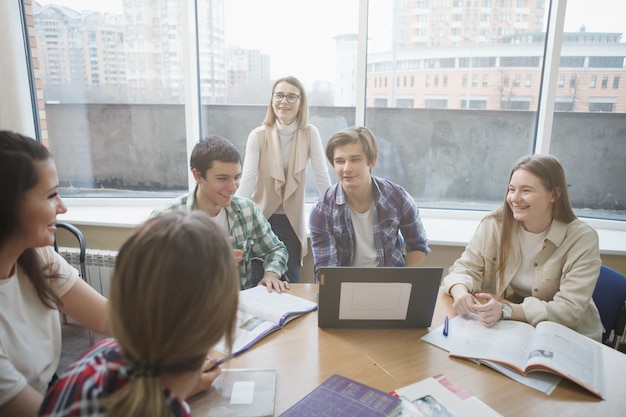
{"x":174,"y":294}
{"x":274,"y":169}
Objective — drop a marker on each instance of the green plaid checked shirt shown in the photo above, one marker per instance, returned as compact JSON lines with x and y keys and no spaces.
{"x":250,"y":230}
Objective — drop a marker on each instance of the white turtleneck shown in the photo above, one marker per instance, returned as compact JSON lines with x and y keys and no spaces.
{"x":286,"y":135}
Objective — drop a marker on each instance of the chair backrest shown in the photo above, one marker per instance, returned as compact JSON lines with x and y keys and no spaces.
{"x":609,"y":296}
{"x":81,"y":244}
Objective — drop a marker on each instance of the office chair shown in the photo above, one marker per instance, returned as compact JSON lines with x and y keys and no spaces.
{"x":610,"y":296}
{"x":82,"y":257}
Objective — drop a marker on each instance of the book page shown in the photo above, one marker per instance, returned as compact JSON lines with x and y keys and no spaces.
{"x":438,"y":397}
{"x":506,"y":342}
{"x":273,"y":306}
{"x":572,"y":354}
{"x":250,"y":329}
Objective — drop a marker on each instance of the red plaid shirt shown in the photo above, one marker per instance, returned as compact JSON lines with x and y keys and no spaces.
{"x":82,"y":389}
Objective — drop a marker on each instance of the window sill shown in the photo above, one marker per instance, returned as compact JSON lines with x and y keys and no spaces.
{"x":444,"y":227}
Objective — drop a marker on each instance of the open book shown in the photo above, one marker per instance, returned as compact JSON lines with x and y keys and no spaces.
{"x":548,"y":347}
{"x":438,"y":396}
{"x":262,"y":312}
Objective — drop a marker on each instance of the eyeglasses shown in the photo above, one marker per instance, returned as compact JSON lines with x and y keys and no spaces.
{"x":291,"y":98}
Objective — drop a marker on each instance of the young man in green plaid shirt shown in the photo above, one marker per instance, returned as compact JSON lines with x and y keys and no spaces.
{"x":216,"y":166}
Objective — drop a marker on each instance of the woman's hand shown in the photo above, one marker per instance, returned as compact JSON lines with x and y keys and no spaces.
{"x":463,"y":300}
{"x":208,"y":374}
{"x":489,"y":309}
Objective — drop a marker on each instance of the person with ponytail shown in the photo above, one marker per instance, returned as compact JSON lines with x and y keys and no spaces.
{"x":35,"y":281}
{"x":174,"y":294}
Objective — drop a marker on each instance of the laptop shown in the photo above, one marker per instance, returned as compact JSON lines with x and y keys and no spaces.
{"x":377,"y":297}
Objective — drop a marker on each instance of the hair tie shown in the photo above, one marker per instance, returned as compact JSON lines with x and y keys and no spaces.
{"x":145,"y":369}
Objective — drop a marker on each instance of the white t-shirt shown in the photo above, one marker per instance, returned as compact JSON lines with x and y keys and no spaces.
{"x":365,"y":252}
{"x":222,"y":220}
{"x":530,"y":245}
{"x":30,"y":332}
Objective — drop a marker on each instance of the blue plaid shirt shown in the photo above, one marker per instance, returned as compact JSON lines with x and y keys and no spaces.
{"x":332,"y":232}
{"x":250,"y":230}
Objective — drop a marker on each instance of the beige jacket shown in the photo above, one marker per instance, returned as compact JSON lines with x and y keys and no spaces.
{"x":289,"y":189}
{"x":563,"y":278}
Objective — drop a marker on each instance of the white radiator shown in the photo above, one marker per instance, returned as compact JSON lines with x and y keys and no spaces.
{"x":98,"y":264}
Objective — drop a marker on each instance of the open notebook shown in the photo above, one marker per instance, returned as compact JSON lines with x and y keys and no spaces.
{"x":383,"y":297}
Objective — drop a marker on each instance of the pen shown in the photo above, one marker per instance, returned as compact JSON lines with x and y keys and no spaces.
{"x":445,"y":326}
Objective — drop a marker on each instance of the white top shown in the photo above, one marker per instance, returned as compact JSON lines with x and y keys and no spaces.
{"x":286,"y":135}
{"x":365,"y":251}
{"x":30,"y":332}
{"x":222,"y":221}
{"x":530,"y":245}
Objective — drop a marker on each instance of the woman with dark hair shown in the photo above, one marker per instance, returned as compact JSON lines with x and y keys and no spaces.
{"x":174,"y":294}
{"x":35,"y":282}
{"x":534,"y":253}
{"x":274,"y":169}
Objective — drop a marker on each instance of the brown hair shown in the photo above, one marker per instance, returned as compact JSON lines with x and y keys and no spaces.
{"x":303,"y":112}
{"x":550,"y":172}
{"x":361,"y":135}
{"x":174,"y":294}
{"x":19,"y":155}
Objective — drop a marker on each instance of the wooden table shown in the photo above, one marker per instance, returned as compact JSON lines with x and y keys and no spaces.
{"x":305,"y":355}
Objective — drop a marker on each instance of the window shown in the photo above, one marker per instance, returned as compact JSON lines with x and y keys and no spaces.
{"x":601,"y":107}
{"x":584,"y":99}
{"x":561,"y":81}
{"x":405,"y":103}
{"x":142,"y":95}
{"x":605,"y":82}
{"x":564,"y":105}
{"x":436,"y":103}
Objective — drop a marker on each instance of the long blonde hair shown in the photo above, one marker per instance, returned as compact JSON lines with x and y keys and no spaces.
{"x":550,"y":172}
{"x":174,"y":294}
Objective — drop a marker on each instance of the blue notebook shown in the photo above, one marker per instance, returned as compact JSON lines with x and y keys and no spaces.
{"x":339,"y":396}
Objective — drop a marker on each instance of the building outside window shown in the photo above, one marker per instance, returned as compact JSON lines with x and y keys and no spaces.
{"x":113,"y":90}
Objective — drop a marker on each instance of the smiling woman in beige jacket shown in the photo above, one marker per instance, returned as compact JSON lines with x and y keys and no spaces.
{"x":275,"y":164}
{"x":533,"y":252}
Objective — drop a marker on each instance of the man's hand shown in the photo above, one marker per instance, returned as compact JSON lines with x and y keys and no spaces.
{"x":272,"y":282}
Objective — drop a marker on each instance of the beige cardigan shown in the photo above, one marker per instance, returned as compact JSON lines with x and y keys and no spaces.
{"x":280,"y":189}
{"x":563,"y":278}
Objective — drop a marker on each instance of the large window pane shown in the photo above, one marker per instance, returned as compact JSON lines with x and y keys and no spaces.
{"x":589,"y":129}
{"x":455,"y":146}
{"x":111,"y":85}
{"x":263,"y":41}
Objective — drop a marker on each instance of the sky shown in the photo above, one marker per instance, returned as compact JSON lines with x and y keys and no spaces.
{"x":263,"y":25}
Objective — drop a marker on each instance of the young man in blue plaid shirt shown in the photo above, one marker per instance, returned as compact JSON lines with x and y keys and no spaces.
{"x":216,"y":166}
{"x":364,"y":220}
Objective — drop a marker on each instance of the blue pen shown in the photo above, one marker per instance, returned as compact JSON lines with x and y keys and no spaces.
{"x":445,"y":326}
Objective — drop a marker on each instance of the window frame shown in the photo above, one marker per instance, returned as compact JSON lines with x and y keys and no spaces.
{"x":22,"y":115}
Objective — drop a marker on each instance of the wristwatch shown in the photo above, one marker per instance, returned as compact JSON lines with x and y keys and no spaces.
{"x":507,"y":311}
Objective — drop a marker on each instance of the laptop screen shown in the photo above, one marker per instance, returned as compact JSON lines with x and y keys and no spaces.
{"x":384,"y":297}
